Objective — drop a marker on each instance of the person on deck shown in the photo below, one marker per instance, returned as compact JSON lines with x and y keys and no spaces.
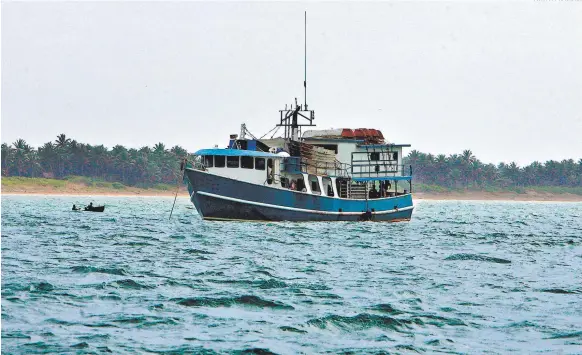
{"x":387,"y":186}
{"x":373,"y":193}
{"x":329,"y":191}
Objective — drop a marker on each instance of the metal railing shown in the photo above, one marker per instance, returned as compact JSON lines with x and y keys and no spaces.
{"x":373,"y":169}
{"x":299,"y":165}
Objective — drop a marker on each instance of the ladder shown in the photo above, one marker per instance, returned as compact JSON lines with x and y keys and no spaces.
{"x":343,"y":189}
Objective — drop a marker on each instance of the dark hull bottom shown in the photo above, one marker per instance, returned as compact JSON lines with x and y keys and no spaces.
{"x":212,"y":208}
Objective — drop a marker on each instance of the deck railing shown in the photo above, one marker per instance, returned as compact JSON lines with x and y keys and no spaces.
{"x":375,"y":169}
{"x":300,"y":165}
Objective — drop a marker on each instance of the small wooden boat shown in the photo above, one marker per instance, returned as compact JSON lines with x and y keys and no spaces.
{"x":95,"y":209}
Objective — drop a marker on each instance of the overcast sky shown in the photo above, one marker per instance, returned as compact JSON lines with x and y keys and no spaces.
{"x":502,"y":79}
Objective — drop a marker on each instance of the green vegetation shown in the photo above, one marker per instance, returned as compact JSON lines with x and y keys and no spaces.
{"x":420,"y":187}
{"x":465,"y":172}
{"x":16,"y":181}
{"x":157,"y":167}
{"x":21,"y":181}
{"x":68,"y":159}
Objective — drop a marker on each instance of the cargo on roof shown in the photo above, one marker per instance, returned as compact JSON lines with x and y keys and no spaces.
{"x":369,"y":135}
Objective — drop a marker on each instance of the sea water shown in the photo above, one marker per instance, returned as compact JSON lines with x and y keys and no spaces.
{"x":461,"y":277}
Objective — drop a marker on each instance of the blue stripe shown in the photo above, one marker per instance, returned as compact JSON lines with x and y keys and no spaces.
{"x":236,"y":153}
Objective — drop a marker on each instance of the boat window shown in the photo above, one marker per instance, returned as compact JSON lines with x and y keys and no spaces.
{"x":219,"y":161}
{"x":301,"y":185}
{"x":315,"y":189}
{"x":270,"y":163}
{"x":395,"y":155}
{"x":327,"y":186}
{"x":260,"y":163}
{"x":375,"y":156}
{"x":208,"y":161}
{"x":232,"y":162}
{"x":246,"y":162}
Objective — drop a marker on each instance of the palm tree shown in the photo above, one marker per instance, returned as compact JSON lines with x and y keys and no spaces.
{"x":48,"y":157}
{"x":62,"y":141}
{"x":7,"y":159}
{"x":159,"y":148}
{"x":178,"y":151}
{"x":21,"y":156}
{"x":467,"y":159}
{"x":62,"y":145}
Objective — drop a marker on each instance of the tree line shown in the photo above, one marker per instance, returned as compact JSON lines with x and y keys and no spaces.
{"x":148,"y":166}
{"x":143,"y":167}
{"x":466,"y":171}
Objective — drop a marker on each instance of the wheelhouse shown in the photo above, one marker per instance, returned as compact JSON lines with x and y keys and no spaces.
{"x":246,"y":165}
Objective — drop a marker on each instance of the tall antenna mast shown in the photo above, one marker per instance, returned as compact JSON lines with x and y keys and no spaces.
{"x":291,"y":115}
{"x":305,"y":69}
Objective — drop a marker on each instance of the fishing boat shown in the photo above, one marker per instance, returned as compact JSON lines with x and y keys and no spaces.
{"x":340,"y":174}
{"x":94,"y":208}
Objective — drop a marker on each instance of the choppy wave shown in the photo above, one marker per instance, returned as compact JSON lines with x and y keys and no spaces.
{"x":363,"y":321}
{"x":476,"y":257}
{"x":245,"y":300}
{"x":90,"y":269}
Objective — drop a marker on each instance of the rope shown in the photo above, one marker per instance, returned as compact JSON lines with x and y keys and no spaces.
{"x":269,"y":132}
{"x":182,"y":165}
{"x":277,"y":130}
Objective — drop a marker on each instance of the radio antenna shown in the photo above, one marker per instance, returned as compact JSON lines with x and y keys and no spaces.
{"x":305,"y":69}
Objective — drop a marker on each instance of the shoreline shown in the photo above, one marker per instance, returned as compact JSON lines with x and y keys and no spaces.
{"x":531,"y":196}
{"x":54,"y":187}
{"x":104,"y":192}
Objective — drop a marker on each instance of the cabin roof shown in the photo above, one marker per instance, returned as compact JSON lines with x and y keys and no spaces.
{"x":236,"y":153}
{"x":382,"y":145}
{"x":333,"y":140}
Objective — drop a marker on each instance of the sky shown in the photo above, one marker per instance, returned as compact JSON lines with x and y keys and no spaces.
{"x":503,"y":79}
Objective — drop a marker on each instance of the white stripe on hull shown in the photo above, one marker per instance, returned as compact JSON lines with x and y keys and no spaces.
{"x":300,"y":209}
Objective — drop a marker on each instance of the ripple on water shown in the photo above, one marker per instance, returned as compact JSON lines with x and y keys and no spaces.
{"x":90,"y":269}
{"x":363,"y":321}
{"x":129,"y":284}
{"x":245,"y":300}
{"x":476,"y":257}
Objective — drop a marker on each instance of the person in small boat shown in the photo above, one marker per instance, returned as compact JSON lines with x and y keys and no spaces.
{"x":75,"y":208}
{"x":90,"y":206}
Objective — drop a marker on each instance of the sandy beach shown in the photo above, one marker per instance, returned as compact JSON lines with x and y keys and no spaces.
{"x":77,"y":189}
{"x":499,"y":196}
{"x":83,"y":190}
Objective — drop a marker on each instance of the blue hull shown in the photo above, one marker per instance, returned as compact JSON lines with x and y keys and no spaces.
{"x":221,"y":198}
